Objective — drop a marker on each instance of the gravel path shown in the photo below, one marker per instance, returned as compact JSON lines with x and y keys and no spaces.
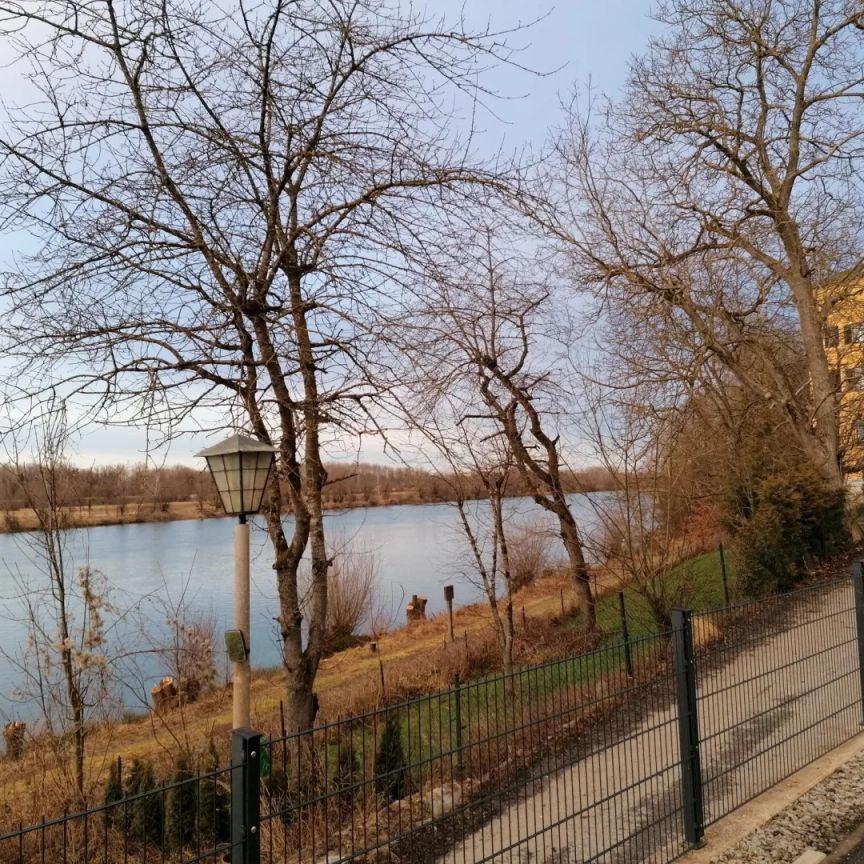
{"x":820,"y":819}
{"x":767,"y":708}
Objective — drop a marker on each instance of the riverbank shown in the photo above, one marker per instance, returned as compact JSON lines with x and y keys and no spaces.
{"x":415,"y":659}
{"x":407,"y":662}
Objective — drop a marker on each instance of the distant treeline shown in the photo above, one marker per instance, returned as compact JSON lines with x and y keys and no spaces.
{"x":348,"y":485}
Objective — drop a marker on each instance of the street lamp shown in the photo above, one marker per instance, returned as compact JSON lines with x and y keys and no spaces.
{"x":240,"y":467}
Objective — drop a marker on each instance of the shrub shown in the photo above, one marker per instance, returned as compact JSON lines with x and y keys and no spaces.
{"x":181,"y":806}
{"x":390,"y":776}
{"x":145,"y":813}
{"x":346,"y":774}
{"x":790,"y":520}
{"x":528,"y":547}
{"x":113,"y":791}
{"x":214,"y":805}
{"x":351,"y":588}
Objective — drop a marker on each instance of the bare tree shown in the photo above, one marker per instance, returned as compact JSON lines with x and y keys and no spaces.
{"x":479,"y":335}
{"x":222,"y":199}
{"x":642,"y":537}
{"x":476,"y":469}
{"x":65,"y":668}
{"x":722,"y":196}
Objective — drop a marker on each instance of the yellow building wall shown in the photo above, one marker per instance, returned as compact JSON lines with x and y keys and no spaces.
{"x":844,"y":344}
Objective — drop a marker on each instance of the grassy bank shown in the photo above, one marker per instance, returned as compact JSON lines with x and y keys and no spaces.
{"x":408,"y":663}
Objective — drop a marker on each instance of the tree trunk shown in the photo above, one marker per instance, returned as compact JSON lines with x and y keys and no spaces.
{"x":823,"y":426}
{"x":506,"y":620}
{"x":579,"y":573}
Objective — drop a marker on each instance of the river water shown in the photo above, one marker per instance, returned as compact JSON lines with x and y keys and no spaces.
{"x":417,"y":549}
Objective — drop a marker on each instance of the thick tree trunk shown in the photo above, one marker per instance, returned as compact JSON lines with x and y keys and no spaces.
{"x":823,"y":427}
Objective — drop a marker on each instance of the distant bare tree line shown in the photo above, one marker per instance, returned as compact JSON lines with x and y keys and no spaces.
{"x":358,"y":485}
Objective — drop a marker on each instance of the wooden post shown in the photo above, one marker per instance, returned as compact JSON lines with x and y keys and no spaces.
{"x":563,"y":613}
{"x":381,"y":677}
{"x":724,"y":575}
{"x":448,"y":597}
{"x":625,"y":634}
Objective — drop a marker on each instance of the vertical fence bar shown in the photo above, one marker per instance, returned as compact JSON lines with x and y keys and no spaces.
{"x":625,"y":634}
{"x":688,"y":727}
{"x":858,"y":583}
{"x":245,"y":796}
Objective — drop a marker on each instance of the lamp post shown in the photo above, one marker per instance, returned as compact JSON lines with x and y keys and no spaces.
{"x":240,"y":467}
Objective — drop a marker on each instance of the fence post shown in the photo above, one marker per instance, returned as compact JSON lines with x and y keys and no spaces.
{"x":858,"y":583}
{"x":688,"y":728}
{"x":245,"y":796}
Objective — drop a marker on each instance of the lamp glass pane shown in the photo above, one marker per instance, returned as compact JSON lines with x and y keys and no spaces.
{"x":257,"y":478}
{"x":226,"y":474}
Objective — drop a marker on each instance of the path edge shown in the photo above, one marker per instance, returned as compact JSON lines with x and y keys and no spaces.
{"x":734,"y":827}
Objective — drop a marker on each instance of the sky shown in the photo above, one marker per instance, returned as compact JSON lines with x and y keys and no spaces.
{"x":574,"y":42}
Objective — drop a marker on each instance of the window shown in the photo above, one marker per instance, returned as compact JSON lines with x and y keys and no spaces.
{"x":854,"y":378}
{"x":853,"y":334}
{"x":831,"y":336}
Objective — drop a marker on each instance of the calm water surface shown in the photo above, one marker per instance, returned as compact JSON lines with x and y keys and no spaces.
{"x":418,"y":549}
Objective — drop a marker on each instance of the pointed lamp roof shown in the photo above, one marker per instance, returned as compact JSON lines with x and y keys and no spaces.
{"x":237,"y":444}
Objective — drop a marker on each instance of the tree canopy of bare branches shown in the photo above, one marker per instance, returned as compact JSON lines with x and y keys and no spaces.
{"x":720,"y":199}
{"x":478,"y":342}
{"x":222,"y":198}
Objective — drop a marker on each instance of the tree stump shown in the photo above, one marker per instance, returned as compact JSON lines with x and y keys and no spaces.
{"x":14,"y":733}
{"x":164,"y":695}
{"x":416,"y":609}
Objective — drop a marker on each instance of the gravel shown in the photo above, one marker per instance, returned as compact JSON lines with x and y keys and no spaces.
{"x":818,"y":819}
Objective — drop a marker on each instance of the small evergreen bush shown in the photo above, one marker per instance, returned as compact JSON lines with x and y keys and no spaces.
{"x":113,"y":791}
{"x":145,"y":813}
{"x":214,"y":803}
{"x":790,"y":520}
{"x":346,"y":774}
{"x":181,"y":806}
{"x":390,"y":774}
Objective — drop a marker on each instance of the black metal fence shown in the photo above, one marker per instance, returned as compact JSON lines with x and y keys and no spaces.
{"x":623,"y":754}
{"x":188,"y":821}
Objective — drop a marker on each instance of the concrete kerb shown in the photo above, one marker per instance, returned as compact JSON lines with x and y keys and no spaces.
{"x":810,"y":856}
{"x":730,"y":830}
{"x":847,"y":845}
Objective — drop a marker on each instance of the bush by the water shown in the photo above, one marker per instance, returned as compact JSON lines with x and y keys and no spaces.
{"x":785,"y":522}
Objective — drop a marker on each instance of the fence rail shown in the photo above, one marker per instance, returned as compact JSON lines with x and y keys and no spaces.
{"x":622,"y":754}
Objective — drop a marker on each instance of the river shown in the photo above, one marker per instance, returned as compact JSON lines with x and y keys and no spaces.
{"x":417,"y":548}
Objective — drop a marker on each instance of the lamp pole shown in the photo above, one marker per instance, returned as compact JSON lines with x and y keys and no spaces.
{"x":240,"y":697}
{"x":240,"y":467}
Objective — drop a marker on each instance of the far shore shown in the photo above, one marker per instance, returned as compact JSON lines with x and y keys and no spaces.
{"x":24,"y":520}
{"x":139,"y":513}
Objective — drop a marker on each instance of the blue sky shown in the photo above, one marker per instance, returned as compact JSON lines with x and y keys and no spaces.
{"x":576,"y":42}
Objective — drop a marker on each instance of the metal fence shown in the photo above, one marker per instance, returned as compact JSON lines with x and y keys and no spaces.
{"x":620,"y":755}
{"x":189,"y":821}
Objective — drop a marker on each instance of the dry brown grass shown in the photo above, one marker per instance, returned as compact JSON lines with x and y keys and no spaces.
{"x":415,"y":660}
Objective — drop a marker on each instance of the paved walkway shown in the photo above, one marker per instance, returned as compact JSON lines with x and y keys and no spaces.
{"x":767,"y":707}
